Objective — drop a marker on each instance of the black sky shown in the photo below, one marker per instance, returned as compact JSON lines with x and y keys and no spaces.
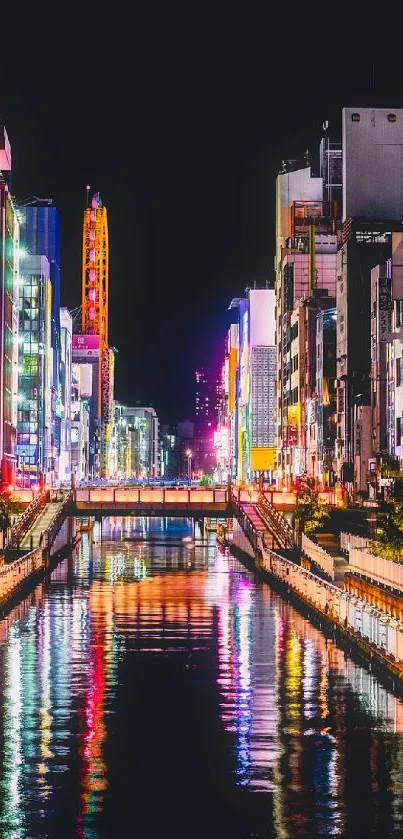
{"x":180,"y":122}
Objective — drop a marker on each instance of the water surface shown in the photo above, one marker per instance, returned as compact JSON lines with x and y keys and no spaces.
{"x":153,"y":687}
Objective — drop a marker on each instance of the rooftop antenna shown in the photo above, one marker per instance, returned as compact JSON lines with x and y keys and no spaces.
{"x":88,"y":194}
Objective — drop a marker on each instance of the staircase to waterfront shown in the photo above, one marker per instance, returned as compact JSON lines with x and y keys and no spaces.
{"x":330,"y":542}
{"x":46,"y":516}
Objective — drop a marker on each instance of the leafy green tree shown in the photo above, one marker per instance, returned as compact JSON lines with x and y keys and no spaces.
{"x":207,"y":481}
{"x":9,"y":506}
{"x":388,"y":541}
{"x":389,"y":465}
{"x":310,"y":511}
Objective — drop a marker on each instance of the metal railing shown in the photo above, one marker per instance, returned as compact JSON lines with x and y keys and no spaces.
{"x":276,"y":523}
{"x":318,"y":555}
{"x":57,"y":521}
{"x":22,"y":526}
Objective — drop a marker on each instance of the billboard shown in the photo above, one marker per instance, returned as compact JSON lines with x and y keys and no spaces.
{"x":85,"y":380}
{"x":85,"y":346}
{"x":385,"y":308}
{"x":262,"y":317}
{"x":263,"y":459}
{"x":294,"y":418}
{"x":107,"y":371}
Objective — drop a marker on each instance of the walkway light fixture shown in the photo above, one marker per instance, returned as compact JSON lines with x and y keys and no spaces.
{"x":189,"y":455}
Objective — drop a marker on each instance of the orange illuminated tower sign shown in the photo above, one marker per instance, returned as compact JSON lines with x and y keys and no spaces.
{"x":95,"y":279}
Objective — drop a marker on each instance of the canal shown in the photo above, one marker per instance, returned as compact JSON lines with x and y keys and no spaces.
{"x":154,"y":687}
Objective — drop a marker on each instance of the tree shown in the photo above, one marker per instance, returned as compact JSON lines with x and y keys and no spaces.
{"x":389,"y":465}
{"x":9,"y":506}
{"x":388,"y":541}
{"x":310,"y":511}
{"x":207,"y":481}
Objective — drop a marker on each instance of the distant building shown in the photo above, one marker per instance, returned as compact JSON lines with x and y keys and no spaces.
{"x":169,"y":460}
{"x":137,"y":440}
{"x":207,"y":401}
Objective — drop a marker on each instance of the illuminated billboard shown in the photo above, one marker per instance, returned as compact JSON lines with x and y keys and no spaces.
{"x":85,"y":346}
{"x":107,"y":371}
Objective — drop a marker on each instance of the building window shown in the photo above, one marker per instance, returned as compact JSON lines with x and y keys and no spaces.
{"x":398,"y":431}
{"x":399,"y":312}
{"x":399,"y":371}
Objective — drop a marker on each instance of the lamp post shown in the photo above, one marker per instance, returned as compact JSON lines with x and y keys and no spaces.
{"x":189,"y":455}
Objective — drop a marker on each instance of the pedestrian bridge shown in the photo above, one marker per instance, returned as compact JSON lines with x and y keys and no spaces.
{"x":161,"y":501}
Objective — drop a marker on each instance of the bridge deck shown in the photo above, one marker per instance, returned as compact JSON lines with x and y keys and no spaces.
{"x":138,"y":501}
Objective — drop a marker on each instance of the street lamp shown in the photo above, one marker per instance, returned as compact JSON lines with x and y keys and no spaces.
{"x":189,"y":455}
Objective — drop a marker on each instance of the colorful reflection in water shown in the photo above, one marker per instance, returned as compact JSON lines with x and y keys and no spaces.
{"x":153,"y":687}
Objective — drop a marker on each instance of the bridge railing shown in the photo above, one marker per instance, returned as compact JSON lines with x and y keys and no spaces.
{"x":149,"y":497}
{"x":49,"y":536}
{"x":256,"y":535}
{"x":20,"y":529}
{"x":276,"y":522}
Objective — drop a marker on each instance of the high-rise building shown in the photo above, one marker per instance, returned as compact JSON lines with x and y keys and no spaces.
{"x":207,"y":402}
{"x":255,"y":385}
{"x":36,"y":461}
{"x":40,"y":236}
{"x":371,"y":235}
{"x":308,"y":214}
{"x":9,"y":278}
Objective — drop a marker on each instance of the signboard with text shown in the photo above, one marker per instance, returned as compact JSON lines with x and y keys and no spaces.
{"x":85,"y":346}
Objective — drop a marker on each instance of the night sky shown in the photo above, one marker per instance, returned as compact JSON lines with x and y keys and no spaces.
{"x":181,"y":124}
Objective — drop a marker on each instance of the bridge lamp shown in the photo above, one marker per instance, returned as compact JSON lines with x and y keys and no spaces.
{"x":189,"y":455}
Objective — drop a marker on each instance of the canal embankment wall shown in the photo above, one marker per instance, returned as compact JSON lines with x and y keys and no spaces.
{"x":23,"y":569}
{"x":374,"y":634}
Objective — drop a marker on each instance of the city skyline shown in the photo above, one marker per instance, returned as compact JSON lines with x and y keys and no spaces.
{"x":190,"y":194}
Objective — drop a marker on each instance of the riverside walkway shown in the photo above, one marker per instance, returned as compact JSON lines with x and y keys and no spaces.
{"x":375,"y":633}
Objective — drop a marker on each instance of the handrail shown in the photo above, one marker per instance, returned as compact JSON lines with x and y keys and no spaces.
{"x":276,"y":522}
{"x":20,"y":529}
{"x":57,"y":521}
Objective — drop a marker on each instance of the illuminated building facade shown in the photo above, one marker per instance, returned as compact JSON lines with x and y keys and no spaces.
{"x":85,"y":358}
{"x":255,"y":385}
{"x":34,"y":418}
{"x":40,"y":236}
{"x":9,"y":269}
{"x":308,"y":213}
{"x":137,"y":441}
{"x":65,"y":373}
{"x":325,"y":408}
{"x":81,"y":391}
{"x":208,"y":394}
{"x":222,"y":434}
{"x":302,"y":449}
{"x":231,"y":380}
